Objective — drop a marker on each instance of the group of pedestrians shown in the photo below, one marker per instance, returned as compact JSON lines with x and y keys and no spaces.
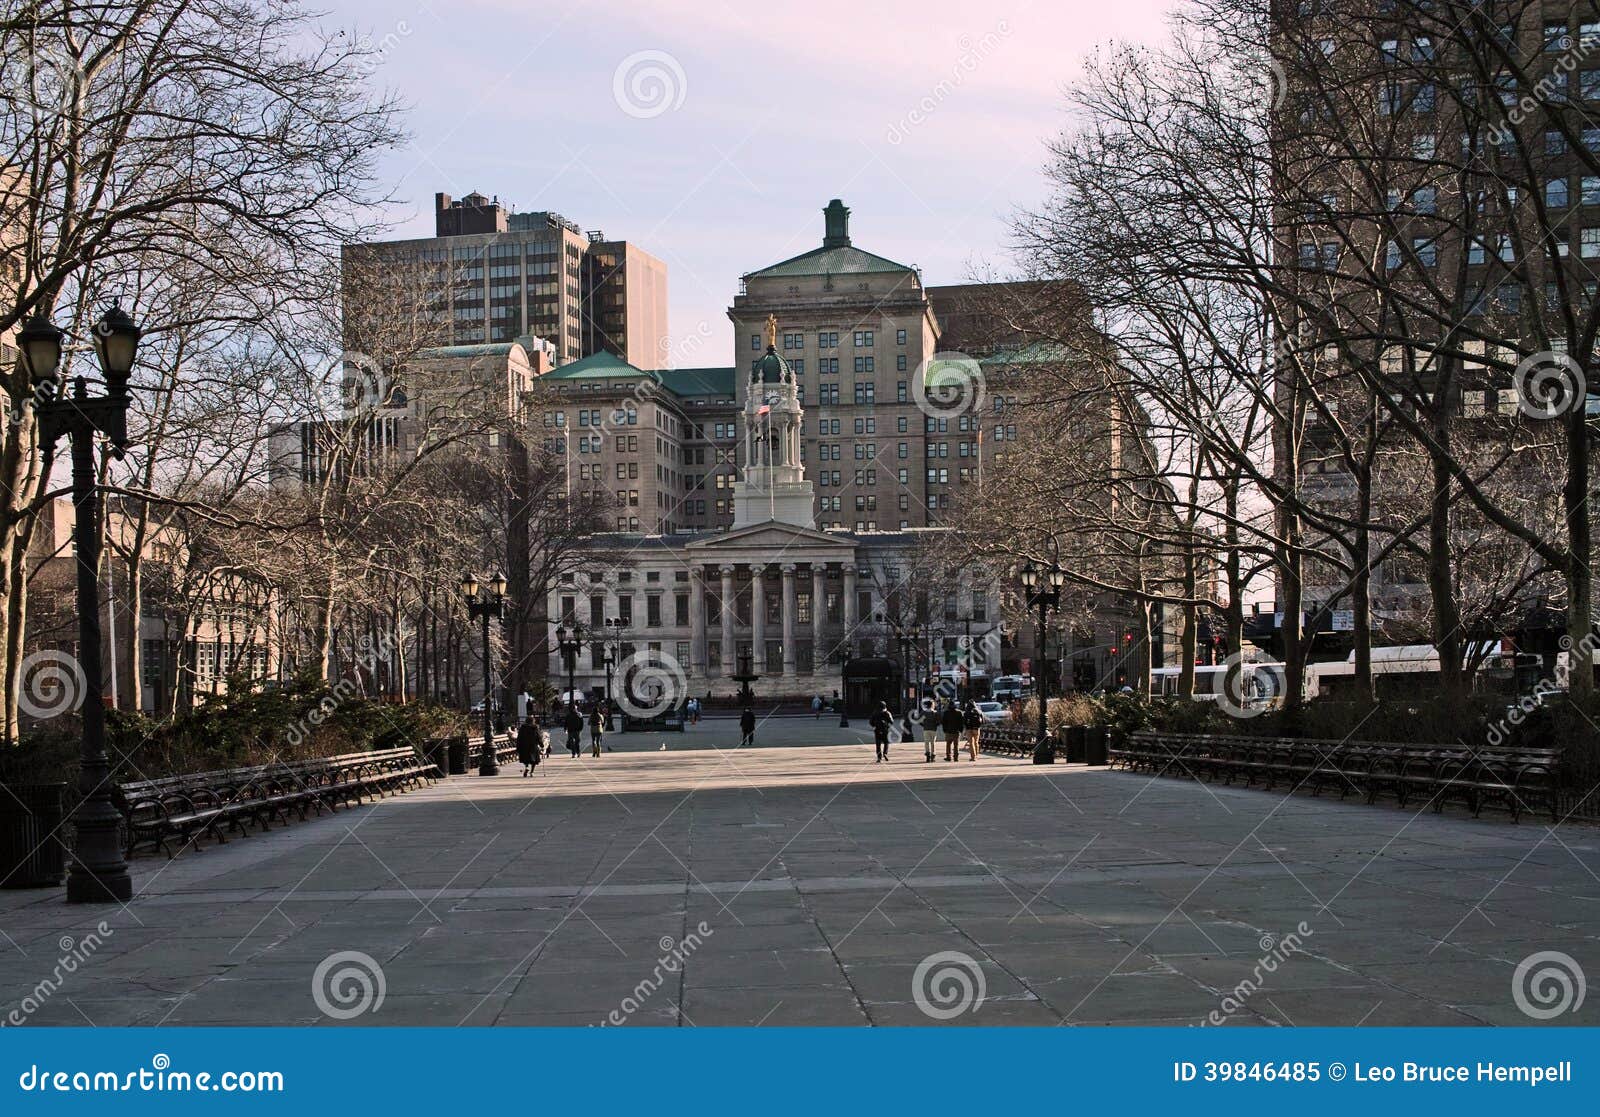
{"x":958,"y":723}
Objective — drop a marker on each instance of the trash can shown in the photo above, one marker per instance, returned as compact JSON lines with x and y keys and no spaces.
{"x":1045,"y":751}
{"x":437,"y":753}
{"x":458,"y":756}
{"x":1077,"y":738}
{"x":31,"y":851}
{"x":1095,"y":746}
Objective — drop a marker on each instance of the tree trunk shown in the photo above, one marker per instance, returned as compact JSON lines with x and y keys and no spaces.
{"x":1580,"y":577}
{"x":1446,"y":614}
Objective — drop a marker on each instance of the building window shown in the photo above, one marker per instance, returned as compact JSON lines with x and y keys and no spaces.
{"x":899,"y":337}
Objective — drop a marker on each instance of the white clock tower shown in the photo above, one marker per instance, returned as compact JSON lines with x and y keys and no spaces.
{"x":774,"y":487}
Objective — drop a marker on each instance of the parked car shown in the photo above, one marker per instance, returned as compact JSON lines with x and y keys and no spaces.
{"x":993,"y":713}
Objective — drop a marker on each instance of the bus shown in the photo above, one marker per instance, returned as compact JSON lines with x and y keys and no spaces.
{"x":1262,"y":683}
{"x":1403,"y":668}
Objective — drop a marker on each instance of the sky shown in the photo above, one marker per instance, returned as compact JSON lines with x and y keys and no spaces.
{"x":712,"y":134}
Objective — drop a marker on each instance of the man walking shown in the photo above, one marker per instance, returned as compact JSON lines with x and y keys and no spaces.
{"x":882,"y":722}
{"x":816,"y":707}
{"x":574,"y":728}
{"x":597,"y":728}
{"x":747,"y":726}
{"x":930,"y":730}
{"x":950,"y":721}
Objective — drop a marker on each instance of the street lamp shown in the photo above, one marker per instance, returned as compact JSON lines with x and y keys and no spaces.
{"x":491,"y":604}
{"x":99,"y":871}
{"x":1043,"y":585}
{"x":569,"y":643}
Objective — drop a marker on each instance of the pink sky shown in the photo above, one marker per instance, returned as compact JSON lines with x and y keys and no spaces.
{"x":927,"y":118}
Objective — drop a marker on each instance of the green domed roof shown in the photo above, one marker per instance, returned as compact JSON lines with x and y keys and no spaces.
{"x":771,"y":369}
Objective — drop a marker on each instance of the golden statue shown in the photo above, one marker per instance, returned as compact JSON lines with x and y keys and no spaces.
{"x":772,"y":331}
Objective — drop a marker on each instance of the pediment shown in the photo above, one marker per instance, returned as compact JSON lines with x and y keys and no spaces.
{"x":772,"y":538}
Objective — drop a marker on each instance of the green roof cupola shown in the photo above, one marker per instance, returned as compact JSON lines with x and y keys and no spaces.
{"x":772,"y":369}
{"x":836,"y":225}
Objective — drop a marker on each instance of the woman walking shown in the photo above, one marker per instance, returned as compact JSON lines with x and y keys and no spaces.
{"x":529,"y":745}
{"x":971,"y":721}
{"x":597,"y":729}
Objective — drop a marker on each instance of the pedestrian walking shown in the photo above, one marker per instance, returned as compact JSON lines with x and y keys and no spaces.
{"x":816,"y":707}
{"x":529,"y":747}
{"x":574,"y":727}
{"x":951,"y":722}
{"x":747,"y":726}
{"x":882,"y":722}
{"x":930,"y":730}
{"x":971,"y":722}
{"x":597,"y":728}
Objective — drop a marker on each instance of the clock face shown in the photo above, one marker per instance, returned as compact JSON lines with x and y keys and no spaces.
{"x":771,"y":399}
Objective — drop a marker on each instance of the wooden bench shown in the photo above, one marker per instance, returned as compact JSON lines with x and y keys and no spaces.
{"x":187,"y":809}
{"x":1006,"y":740}
{"x":1515,"y":779}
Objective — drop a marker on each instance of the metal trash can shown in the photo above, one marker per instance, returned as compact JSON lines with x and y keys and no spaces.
{"x":437,"y":753}
{"x":1077,"y":744}
{"x":1095,"y":746}
{"x":458,"y":756}
{"x":32,"y":854}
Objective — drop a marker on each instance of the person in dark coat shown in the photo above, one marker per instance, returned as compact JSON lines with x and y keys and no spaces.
{"x":971,"y":721}
{"x":950,"y":721}
{"x":747,"y":726}
{"x":529,"y":746}
{"x":574,"y":728}
{"x":882,"y":722}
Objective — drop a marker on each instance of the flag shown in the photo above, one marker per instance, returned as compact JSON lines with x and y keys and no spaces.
{"x":766,"y":409}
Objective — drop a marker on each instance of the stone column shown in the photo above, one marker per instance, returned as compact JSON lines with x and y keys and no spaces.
{"x":819,"y":592}
{"x":697,"y":621}
{"x":850,"y":618}
{"x":730,"y":658}
{"x":758,"y":620}
{"x":790,"y":667}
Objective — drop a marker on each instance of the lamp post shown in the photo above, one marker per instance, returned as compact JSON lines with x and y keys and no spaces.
{"x":490,"y":604}
{"x":615,"y":629}
{"x":568,"y":643}
{"x":99,"y":872}
{"x":1043,"y":585}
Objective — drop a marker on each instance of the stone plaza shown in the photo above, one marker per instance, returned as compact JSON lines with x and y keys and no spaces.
{"x":706,"y":885}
